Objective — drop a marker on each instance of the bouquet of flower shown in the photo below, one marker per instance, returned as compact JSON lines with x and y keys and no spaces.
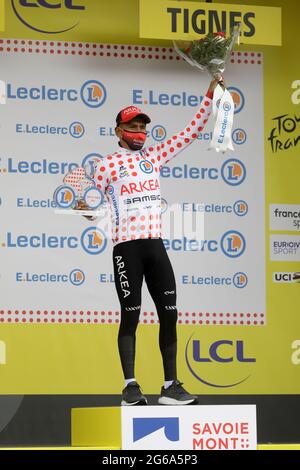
{"x":209,"y":53}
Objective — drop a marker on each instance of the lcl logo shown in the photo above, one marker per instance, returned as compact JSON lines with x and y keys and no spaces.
{"x":23,"y":9}
{"x":43,"y":3}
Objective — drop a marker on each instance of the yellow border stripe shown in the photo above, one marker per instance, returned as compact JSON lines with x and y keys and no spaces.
{"x":2,"y":15}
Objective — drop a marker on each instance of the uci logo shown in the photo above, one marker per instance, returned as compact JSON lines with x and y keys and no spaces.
{"x":240,"y":208}
{"x":77,"y":277}
{"x":64,"y":197}
{"x":146,"y":166}
{"x":93,"y":94}
{"x":209,"y":360}
{"x":239,"y":136}
{"x":60,"y":13}
{"x":233,"y":172}
{"x":158,"y":133}
{"x":238,"y":98}
{"x":93,"y":241}
{"x":240,"y":280}
{"x":233,"y":244}
{"x":76,"y":130}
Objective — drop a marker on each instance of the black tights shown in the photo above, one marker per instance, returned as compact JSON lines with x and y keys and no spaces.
{"x":133,"y":260}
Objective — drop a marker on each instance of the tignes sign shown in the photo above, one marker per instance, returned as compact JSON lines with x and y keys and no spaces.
{"x":164,"y":19}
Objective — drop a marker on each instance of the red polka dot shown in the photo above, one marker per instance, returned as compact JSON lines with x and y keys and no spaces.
{"x":198,"y":116}
{"x":102,"y":168}
{"x":179,"y":145}
{"x":194,"y":136}
{"x":172,"y":149}
{"x":202,"y":110}
{"x":134,"y":173}
{"x":164,"y":154}
{"x":186,"y":140}
{"x":100,"y":177}
{"x":111,"y":165}
{"x":206,"y":103}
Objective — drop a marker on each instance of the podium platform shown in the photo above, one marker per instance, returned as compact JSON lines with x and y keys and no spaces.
{"x":96,"y":427}
{"x":198,"y":427}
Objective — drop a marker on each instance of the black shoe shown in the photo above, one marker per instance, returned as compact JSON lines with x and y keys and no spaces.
{"x":131,"y":395}
{"x":176,"y":395}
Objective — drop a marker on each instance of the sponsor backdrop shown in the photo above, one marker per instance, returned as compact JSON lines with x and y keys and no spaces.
{"x":238,"y":296}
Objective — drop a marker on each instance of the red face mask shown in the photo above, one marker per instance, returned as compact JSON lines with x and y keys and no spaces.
{"x":135,"y":140}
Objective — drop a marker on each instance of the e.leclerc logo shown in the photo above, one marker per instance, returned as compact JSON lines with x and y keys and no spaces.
{"x":146,"y":166}
{"x":159,"y":133}
{"x":239,"y":136}
{"x":93,"y":241}
{"x":233,"y":244}
{"x":238,"y":99}
{"x":92,"y":93}
{"x":182,"y":98}
{"x":38,"y":14}
{"x":233,"y":172}
{"x":206,"y":361}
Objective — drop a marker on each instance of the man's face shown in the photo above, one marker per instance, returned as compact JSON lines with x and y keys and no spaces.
{"x":135,"y":125}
